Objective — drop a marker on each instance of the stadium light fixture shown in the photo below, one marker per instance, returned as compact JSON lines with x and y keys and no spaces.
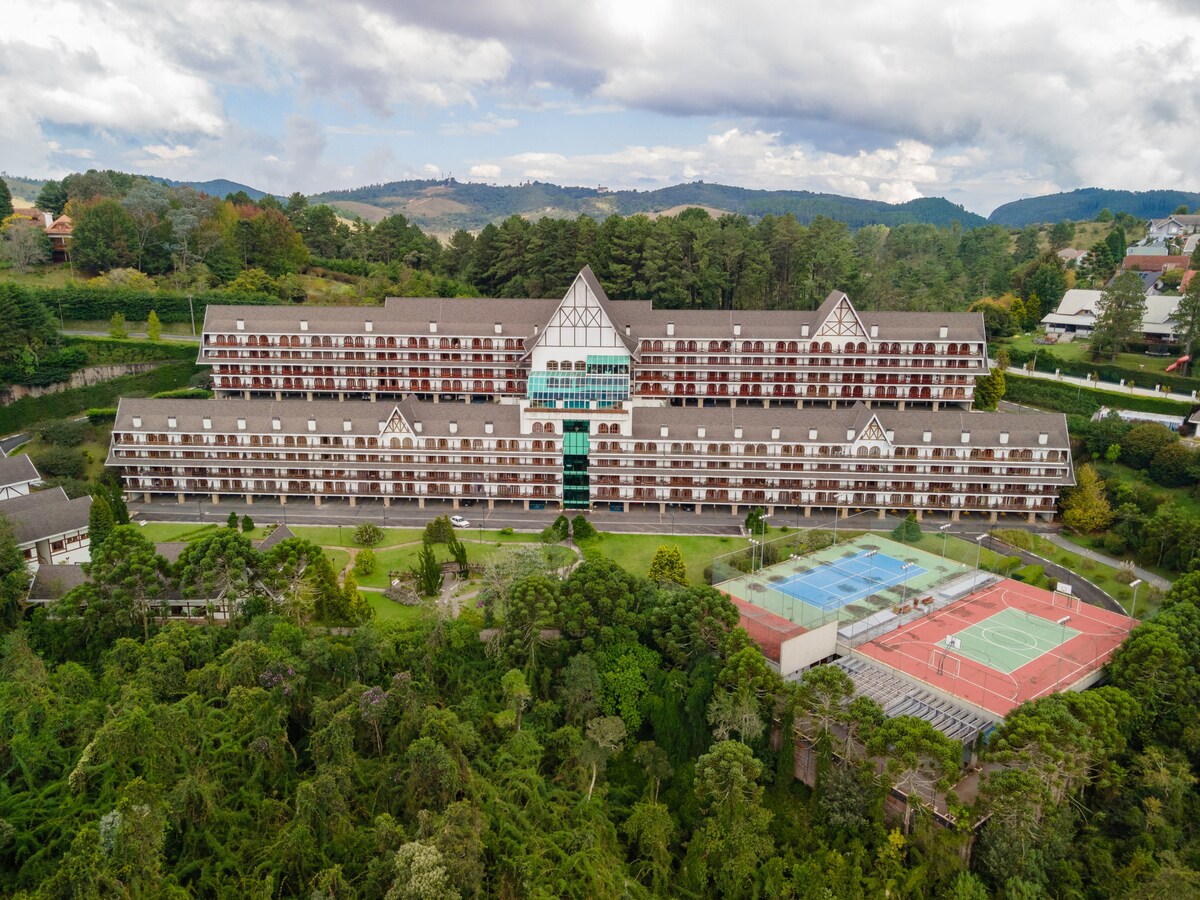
{"x":1135,"y":584}
{"x":945,"y":530}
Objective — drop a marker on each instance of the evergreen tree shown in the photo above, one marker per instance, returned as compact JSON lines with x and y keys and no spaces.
{"x":100,"y":523}
{"x":428,"y":572}
{"x":153,"y":326}
{"x":6,"y":205}
{"x":989,"y":390}
{"x":247,"y":524}
{"x":1121,"y":310}
{"x":1085,"y":506}
{"x":117,"y":329}
{"x":668,"y":566}
{"x":232,"y":521}
{"x":908,"y":531}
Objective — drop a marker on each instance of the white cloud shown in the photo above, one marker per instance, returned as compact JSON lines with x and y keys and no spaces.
{"x":485,"y":171}
{"x":489,"y":124}
{"x":1002,"y":99}
{"x":165,"y":152}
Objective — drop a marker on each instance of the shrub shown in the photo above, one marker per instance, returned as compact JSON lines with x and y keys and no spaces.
{"x":1174,"y":465}
{"x":368,"y":534}
{"x":232,"y":521}
{"x":247,"y":524}
{"x":61,"y":462}
{"x":438,"y":530}
{"x":1033,"y":574}
{"x":908,"y":531}
{"x":506,"y":531}
{"x":557,"y":532}
{"x":582,"y":529}
{"x":364,"y":562}
{"x":101,"y":415}
{"x":63,"y":433}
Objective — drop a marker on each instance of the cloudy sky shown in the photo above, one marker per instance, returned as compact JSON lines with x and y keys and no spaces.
{"x":981,"y":102}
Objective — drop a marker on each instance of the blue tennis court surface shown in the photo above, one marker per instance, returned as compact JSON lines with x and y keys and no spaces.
{"x":853,"y":578}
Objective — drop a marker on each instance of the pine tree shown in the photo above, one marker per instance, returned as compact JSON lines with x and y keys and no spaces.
{"x":668,"y":566}
{"x":153,"y":326}
{"x":116,"y":327}
{"x":247,"y":524}
{"x":6,"y":206}
{"x":1085,"y":506}
{"x":989,"y":390}
{"x":427,"y":572}
{"x":232,"y":521}
{"x":100,"y":523}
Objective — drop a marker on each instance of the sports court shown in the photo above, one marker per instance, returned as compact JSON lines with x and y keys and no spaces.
{"x":851,"y":581}
{"x":852,"y":578}
{"x":1003,"y":645}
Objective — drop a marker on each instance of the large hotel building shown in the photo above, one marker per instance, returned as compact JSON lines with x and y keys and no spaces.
{"x":588,"y":402}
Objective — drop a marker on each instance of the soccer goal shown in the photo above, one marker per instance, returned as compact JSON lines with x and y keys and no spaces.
{"x":1063,"y":600}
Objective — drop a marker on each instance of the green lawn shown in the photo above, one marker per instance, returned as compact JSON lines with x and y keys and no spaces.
{"x":633,"y":552}
{"x":339,"y":559}
{"x":405,"y":557}
{"x":162,"y":532}
{"x":94,"y":449}
{"x":134,"y":328}
{"x":49,"y":275}
{"x":343,"y":535}
{"x":389,"y":611}
{"x":1081,"y":351}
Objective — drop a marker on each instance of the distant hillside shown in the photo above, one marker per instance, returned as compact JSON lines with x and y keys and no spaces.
{"x":218,"y":187}
{"x":446,"y":205}
{"x":1084,"y":203}
{"x":25,"y":188}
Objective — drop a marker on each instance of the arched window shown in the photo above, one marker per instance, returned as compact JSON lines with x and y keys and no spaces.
{"x":551,"y":365}
{"x":537,"y":427}
{"x":549,"y":428}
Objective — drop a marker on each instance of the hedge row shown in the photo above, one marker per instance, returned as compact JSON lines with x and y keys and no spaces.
{"x":1047,"y":361}
{"x":1069,"y":398}
{"x":30,"y":410}
{"x":78,"y":301}
{"x":79,"y":352}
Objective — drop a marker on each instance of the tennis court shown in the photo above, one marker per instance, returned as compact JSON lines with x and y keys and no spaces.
{"x":833,"y":585}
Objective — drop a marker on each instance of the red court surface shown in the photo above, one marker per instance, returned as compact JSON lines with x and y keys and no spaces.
{"x":919,"y":650}
{"x":766,"y":629}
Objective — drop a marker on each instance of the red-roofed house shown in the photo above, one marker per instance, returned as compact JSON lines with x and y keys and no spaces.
{"x":59,"y":233}
{"x":1155,"y":263}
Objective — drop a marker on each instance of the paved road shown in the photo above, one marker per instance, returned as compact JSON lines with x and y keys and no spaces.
{"x":407,"y":514}
{"x":1145,"y":378}
{"x":1145,"y":574}
{"x":10,"y":443}
{"x":138,"y":334}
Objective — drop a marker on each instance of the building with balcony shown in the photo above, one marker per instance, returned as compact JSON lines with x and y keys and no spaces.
{"x":585,"y":402}
{"x":580,"y":453}
{"x":486,"y":350}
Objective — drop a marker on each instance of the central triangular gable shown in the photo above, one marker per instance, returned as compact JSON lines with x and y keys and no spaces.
{"x":581,"y":319}
{"x":842,"y":321}
{"x":873,"y":431}
{"x":396,"y":423}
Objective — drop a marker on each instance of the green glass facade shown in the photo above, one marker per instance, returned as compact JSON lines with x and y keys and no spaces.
{"x":576,"y":487}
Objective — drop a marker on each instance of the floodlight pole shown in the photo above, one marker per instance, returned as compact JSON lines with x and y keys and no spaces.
{"x":904,"y":568}
{"x":979,"y":549}
{"x":836,"y":514}
{"x":945,"y":530}
{"x":795,"y":571}
{"x":1135,"y":585}
{"x":1063,"y":622}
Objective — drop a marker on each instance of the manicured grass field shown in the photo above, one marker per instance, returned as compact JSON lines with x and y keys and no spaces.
{"x":161,"y":532}
{"x":343,"y":536}
{"x":389,"y":611}
{"x":1137,"y":364}
{"x":633,"y":552}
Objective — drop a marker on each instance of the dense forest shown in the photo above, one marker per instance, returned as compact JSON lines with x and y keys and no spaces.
{"x":1086,"y":203}
{"x":127,"y":227}
{"x":605,"y":736}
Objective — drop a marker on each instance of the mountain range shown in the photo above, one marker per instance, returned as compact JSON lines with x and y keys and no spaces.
{"x":446,"y":205}
{"x":443,"y":206}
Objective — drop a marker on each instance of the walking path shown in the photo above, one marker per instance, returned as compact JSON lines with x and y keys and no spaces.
{"x":1132,"y":390}
{"x":1145,"y":574}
